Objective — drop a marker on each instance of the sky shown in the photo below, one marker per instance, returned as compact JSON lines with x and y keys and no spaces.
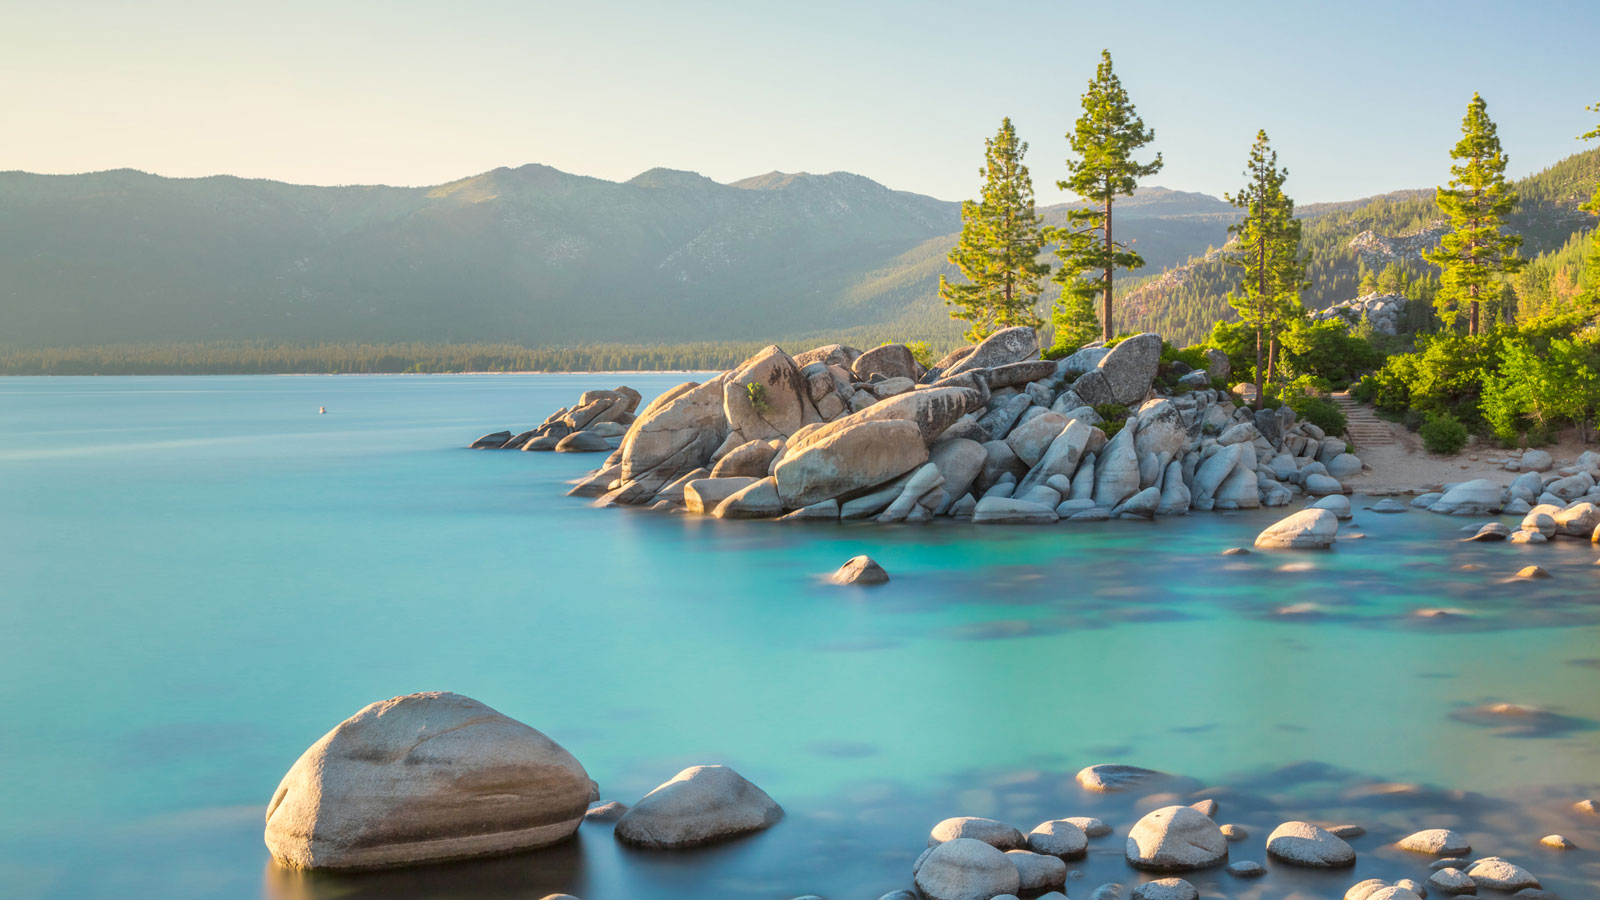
{"x":1359,"y":98}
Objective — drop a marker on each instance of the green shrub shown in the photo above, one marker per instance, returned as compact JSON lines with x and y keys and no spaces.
{"x":1443,"y":433}
{"x":1324,"y":414}
{"x":758,"y":396}
{"x":922,"y":353}
{"x":1115,"y":416}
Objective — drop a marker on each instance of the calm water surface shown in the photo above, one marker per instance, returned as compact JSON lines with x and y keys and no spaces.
{"x":201,"y":576}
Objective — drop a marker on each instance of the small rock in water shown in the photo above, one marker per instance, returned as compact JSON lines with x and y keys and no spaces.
{"x":1059,"y":837}
{"x":605,"y":812}
{"x":1557,"y":842}
{"x":1363,"y":890}
{"x":1234,"y":833}
{"x":700,"y":805}
{"x":1244,"y":868}
{"x":966,"y":869}
{"x":1091,"y":826}
{"x":1412,"y":885}
{"x":1175,"y":839}
{"x":1109,"y":891}
{"x":1449,"y":863}
{"x":1388,"y":505}
{"x":1165,"y":889}
{"x":1304,"y":844}
{"x":1587,"y":807}
{"x":1525,"y":536}
{"x":1236,"y":551}
{"x":900,"y":895}
{"x":1037,"y":871}
{"x":1206,"y":807}
{"x":860,"y":570}
{"x":1112,"y":778}
{"x":1501,"y":875}
{"x":1451,"y":880}
{"x":1492,"y":531}
{"x":1347,"y":831}
{"x":558,"y":897}
{"x":1531,"y":572}
{"x":1435,"y":842}
{"x":996,"y":834}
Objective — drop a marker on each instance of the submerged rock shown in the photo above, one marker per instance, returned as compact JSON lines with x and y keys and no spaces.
{"x":1165,"y":889}
{"x":1091,"y":826}
{"x":423,"y":778}
{"x":1038,"y":871}
{"x":700,"y":805}
{"x":1112,"y":778}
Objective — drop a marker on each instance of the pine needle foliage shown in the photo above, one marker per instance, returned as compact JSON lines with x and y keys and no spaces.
{"x":1001,"y":239}
{"x":1477,"y":252}
{"x":1103,"y":142}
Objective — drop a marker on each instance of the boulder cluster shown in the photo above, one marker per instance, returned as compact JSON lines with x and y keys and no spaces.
{"x":991,"y":433}
{"x":1382,"y":310}
{"x":437,"y":776}
{"x":595,"y":423}
{"x":1565,"y":503}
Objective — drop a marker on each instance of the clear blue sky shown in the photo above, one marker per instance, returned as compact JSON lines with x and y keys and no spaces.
{"x":1359,"y":97}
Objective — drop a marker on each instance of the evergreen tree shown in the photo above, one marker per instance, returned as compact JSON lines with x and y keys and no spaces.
{"x":1001,"y":239}
{"x":1594,"y":202}
{"x":1475,"y":252}
{"x":1074,"y":318}
{"x":1103,"y":141}
{"x":1269,"y":252}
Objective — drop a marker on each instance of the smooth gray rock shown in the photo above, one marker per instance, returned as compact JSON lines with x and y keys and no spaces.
{"x":1501,"y":875}
{"x":1245,"y":868}
{"x":1165,"y":889}
{"x":1006,"y":511}
{"x":424,"y":778}
{"x":1472,"y":498}
{"x":1304,"y":844}
{"x":700,"y":805}
{"x":1452,"y":881}
{"x":996,"y":834}
{"x":704,"y":495}
{"x":1006,"y":346}
{"x":1345,"y":465}
{"x":1435,"y":842}
{"x":1308,"y":529}
{"x":754,"y":501}
{"x":1038,"y":871}
{"x":493,"y":441}
{"x":860,"y":570}
{"x":1338,"y":504}
{"x":966,"y":869}
{"x":858,"y":456}
{"x":1175,"y":839}
{"x":1092,"y":827}
{"x":1059,"y":837}
{"x":1130,"y":367}
{"x":889,"y":360}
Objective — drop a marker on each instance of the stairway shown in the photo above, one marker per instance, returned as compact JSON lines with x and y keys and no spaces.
{"x":1364,"y":428}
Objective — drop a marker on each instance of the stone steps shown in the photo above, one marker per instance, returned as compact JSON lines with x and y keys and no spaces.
{"x":1363,"y":427}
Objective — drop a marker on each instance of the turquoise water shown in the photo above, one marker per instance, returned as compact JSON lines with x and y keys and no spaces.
{"x":202,"y":575}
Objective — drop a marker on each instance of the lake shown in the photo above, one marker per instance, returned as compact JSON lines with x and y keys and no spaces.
{"x":202,"y":576}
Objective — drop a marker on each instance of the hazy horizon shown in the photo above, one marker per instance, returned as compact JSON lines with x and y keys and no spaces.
{"x":1362,"y":102}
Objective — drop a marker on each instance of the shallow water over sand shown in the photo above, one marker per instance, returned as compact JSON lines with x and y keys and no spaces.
{"x":203,"y":575}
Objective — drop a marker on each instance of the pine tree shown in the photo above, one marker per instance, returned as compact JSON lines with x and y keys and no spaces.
{"x":1268,"y":250}
{"x":1074,"y":318}
{"x":1475,"y":252}
{"x":998,"y":251}
{"x":1104,"y":141}
{"x":1594,"y":202}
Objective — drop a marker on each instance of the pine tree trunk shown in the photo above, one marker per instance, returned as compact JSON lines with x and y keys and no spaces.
{"x":1259,"y":395}
{"x":1106,"y":330}
{"x":1272,"y":358}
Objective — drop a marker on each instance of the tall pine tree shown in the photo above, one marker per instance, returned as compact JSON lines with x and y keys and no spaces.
{"x":998,"y":251}
{"x":1594,"y":203}
{"x":1104,"y":140}
{"x":1476,"y":252}
{"x":1268,"y":250}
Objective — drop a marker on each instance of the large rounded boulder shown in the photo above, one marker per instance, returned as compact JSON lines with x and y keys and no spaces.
{"x":849,"y":459}
{"x":766,"y":397}
{"x":700,"y":805}
{"x":1130,"y":367}
{"x":1176,"y":839}
{"x":423,"y":778}
{"x":673,"y":436}
{"x":1004,"y":347}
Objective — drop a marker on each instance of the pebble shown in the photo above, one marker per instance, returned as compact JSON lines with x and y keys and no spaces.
{"x":1435,"y":842}
{"x":605,"y":812}
{"x":1234,"y":833}
{"x":1347,"y":831}
{"x":1091,"y":826}
{"x":1165,"y":889}
{"x":1557,"y":842}
{"x":1245,"y":868}
{"x":1451,"y":880}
